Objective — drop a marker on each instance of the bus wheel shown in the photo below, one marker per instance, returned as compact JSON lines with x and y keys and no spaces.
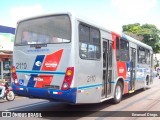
{"x":147,"y":83}
{"x":118,"y":93}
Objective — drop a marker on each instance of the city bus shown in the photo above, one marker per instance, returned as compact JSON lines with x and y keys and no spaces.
{"x":63,"y":57}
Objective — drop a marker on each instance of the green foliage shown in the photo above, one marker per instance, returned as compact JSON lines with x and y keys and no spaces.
{"x":146,"y":33}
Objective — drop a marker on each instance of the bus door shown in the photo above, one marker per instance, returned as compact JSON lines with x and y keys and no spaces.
{"x":132,"y":69}
{"x":107,"y":68}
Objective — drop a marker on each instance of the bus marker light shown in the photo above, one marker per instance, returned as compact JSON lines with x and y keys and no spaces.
{"x":57,"y":93}
{"x":21,"y":89}
{"x":16,"y":81}
{"x":80,"y":91}
{"x":87,"y":93}
{"x":97,"y":88}
{"x":17,"y":88}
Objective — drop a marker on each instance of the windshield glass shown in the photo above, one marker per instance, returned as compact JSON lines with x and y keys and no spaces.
{"x":43,"y":30}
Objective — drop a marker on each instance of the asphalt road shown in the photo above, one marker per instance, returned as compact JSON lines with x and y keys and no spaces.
{"x":145,"y":101}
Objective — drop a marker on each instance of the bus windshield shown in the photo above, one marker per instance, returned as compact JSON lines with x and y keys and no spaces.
{"x":44,"y":30}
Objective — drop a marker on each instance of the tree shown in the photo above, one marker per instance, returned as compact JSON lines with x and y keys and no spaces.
{"x":146,"y":33}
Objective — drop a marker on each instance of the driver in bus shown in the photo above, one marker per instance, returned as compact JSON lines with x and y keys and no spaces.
{"x":25,"y":37}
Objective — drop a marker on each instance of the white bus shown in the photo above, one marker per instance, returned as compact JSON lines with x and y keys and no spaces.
{"x":62,"y":57}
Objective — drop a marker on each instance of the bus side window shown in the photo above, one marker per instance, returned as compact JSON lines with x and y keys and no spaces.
{"x":83,"y":50}
{"x":124,"y":50}
{"x":104,"y":53}
{"x":84,"y":33}
{"x":147,"y":56}
{"x":89,"y":42}
{"x":83,"y":41}
{"x":117,"y":49}
{"x":141,"y":55}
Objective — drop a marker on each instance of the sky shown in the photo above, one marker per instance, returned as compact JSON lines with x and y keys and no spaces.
{"x":110,"y":14}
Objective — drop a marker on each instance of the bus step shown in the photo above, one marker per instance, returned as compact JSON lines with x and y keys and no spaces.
{"x":131,"y":91}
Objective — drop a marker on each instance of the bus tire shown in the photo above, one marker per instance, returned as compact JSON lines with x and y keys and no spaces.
{"x":147,"y":83}
{"x":117,"y":93}
{"x":147,"y":80}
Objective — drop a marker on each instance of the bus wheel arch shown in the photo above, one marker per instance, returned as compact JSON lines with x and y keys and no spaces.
{"x":118,"y":92}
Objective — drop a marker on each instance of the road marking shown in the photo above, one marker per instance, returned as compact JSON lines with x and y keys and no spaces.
{"x":34,"y":104}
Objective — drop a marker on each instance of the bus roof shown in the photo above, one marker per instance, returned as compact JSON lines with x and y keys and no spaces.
{"x":122,"y":35}
{"x":136,"y":41}
{"x":90,"y":22}
{"x":44,"y":15}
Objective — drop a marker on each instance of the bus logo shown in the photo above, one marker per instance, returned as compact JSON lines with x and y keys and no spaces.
{"x":121,"y":70}
{"x":38,"y":63}
{"x":38,"y":79}
{"x":47,"y":64}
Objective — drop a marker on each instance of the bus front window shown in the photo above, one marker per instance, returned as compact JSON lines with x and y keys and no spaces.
{"x":44,"y":30}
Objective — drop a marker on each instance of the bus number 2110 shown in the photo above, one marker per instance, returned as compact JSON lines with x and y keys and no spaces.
{"x":21,"y":65}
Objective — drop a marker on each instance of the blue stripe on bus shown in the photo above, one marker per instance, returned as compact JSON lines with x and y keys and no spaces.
{"x":140,"y":78}
{"x":39,"y":72}
{"x":37,"y":66}
{"x":113,"y":82}
{"x":97,"y":85}
{"x":126,"y":80}
{"x":90,"y":86}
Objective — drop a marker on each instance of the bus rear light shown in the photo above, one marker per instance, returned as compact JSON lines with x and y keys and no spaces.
{"x":13,"y":69}
{"x":14,"y":75}
{"x":69,"y":72}
{"x":65,"y":85}
{"x":68,"y":78}
{"x":16,"y":81}
{"x":17,"y":88}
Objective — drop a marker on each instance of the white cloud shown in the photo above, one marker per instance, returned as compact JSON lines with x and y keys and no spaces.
{"x":133,"y":11}
{"x":20,"y":12}
{"x":134,"y":7}
{"x":7,"y":22}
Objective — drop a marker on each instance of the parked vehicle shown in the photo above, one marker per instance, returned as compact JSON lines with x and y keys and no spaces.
{"x":9,"y":94}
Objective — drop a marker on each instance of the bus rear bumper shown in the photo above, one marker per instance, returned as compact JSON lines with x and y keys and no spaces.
{"x":45,"y":93}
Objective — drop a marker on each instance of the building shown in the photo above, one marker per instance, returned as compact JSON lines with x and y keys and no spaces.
{"x":7,"y":35}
